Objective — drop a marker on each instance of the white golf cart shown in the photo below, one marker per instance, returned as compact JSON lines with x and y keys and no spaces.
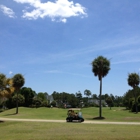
{"x":74,"y":115}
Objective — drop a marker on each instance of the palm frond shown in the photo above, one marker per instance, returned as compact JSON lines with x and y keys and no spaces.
{"x":100,"y":66}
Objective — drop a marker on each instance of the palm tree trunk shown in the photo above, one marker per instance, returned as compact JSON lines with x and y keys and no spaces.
{"x":135,"y":100}
{"x":100,"y":105}
{"x":17,"y":104}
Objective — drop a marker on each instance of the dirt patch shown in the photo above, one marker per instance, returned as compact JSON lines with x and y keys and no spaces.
{"x":132,"y":118}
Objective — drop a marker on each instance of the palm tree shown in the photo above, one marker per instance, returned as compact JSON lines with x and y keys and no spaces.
{"x":6,"y":86}
{"x":100,"y":68}
{"x":133,"y":81}
{"x":87,"y":92}
{"x":18,"y":82}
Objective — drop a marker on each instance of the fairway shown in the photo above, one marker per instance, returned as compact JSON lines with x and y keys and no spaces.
{"x":116,"y":114}
{"x":67,"y":131}
{"x":38,"y":126}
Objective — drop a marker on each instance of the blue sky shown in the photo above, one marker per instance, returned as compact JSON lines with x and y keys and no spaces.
{"x":53,"y":42}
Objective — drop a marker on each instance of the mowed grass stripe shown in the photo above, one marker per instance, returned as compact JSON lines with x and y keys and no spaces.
{"x":67,"y":131}
{"x":116,"y":114}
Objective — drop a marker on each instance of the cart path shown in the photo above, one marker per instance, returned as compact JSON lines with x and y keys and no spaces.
{"x":63,"y":121}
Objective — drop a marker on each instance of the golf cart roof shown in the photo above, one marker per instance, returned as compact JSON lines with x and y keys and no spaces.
{"x":74,"y":109}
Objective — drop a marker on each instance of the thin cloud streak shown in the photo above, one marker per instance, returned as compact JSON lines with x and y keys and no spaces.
{"x":61,"y":72}
{"x":7,"y":11}
{"x":114,"y":45}
{"x":127,"y":61}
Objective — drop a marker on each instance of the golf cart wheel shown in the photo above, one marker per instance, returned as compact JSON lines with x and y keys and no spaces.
{"x":68,"y":120}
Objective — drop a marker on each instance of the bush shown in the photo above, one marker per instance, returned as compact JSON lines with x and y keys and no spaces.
{"x":44,"y":104}
{"x":53,"y":103}
{"x":133,"y":109}
{"x":36,"y":102}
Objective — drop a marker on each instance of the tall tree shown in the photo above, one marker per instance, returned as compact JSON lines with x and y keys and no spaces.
{"x":79,"y":98}
{"x":100,"y":68}
{"x":133,"y":81}
{"x":18,"y":82}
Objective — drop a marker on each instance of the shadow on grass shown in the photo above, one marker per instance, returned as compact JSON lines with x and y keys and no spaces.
{"x":99,"y":118}
{"x":125,"y":109}
{"x":96,"y":118}
{"x":1,"y":121}
{"x":10,"y":114}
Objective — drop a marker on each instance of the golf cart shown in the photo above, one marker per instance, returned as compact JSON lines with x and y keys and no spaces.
{"x":74,"y":115}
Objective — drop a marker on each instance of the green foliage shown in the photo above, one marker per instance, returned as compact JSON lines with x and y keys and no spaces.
{"x":65,"y":98}
{"x":53,"y":103}
{"x":129,"y":95}
{"x":138,"y":99}
{"x":133,"y":79}
{"x":44,"y":103}
{"x":109,"y":102}
{"x":20,"y":98}
{"x":18,"y":81}
{"x":87,"y":92}
{"x":42,"y":96}
{"x":28,"y":94}
{"x":37,"y":102}
{"x":100,"y":66}
{"x":131,"y":103}
{"x":2,"y":80}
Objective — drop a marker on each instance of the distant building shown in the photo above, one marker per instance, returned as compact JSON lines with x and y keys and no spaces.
{"x":97,"y":102}
{"x":49,"y":98}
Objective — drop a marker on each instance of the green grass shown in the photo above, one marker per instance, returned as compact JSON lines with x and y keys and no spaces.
{"x":118,"y":114}
{"x":67,"y":131}
{"x":115,"y":114}
{"x":12,"y":130}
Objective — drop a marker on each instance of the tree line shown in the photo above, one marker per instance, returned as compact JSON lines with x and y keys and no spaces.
{"x":29,"y":98}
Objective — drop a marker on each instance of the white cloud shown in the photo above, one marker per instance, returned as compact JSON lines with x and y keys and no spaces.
{"x":7,"y":11}
{"x":64,"y":20}
{"x":10,"y":72}
{"x":61,"y":9}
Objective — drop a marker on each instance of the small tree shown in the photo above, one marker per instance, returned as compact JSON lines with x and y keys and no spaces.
{"x":18,"y":82}
{"x":20,"y":99}
{"x":87,"y":93}
{"x":109,"y":102}
{"x":133,"y":81}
